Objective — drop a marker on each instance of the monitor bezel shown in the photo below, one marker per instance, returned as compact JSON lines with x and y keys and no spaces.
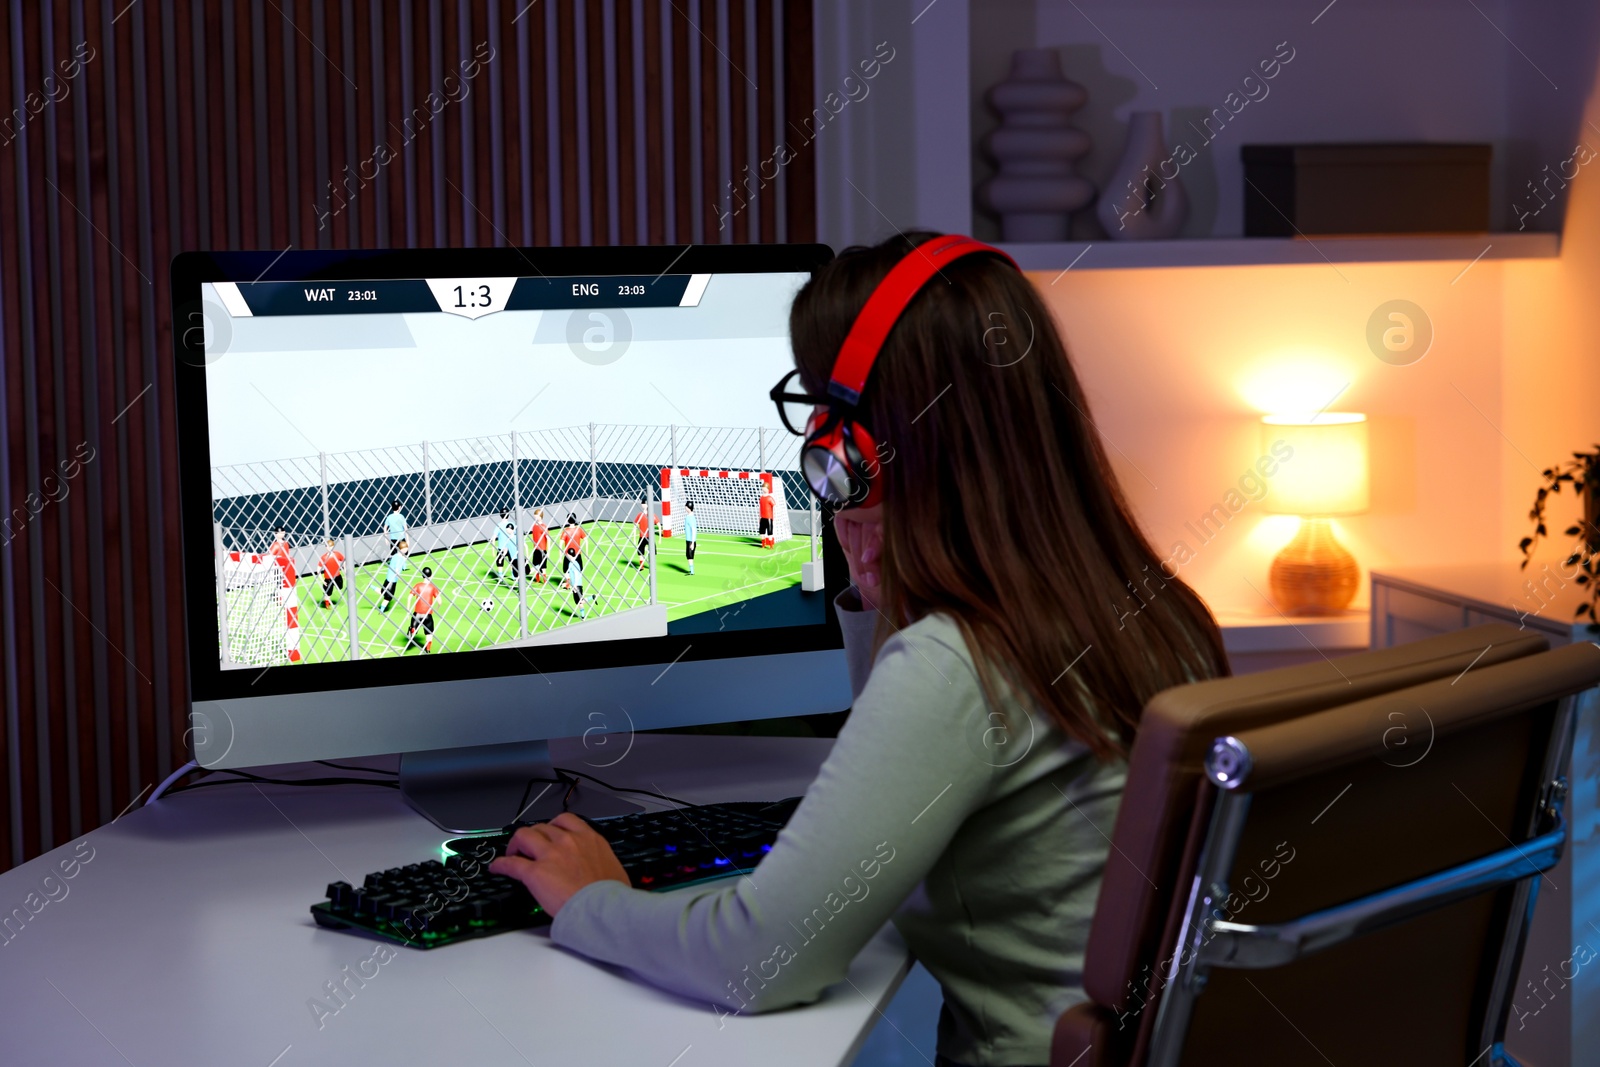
{"x":209,"y":681}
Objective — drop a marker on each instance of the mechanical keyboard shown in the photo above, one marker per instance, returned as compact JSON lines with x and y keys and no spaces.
{"x":429,"y":904}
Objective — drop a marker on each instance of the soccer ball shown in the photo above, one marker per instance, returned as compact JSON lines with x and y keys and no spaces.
{"x":487,"y":603}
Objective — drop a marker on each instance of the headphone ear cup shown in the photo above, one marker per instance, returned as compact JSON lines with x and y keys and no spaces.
{"x":825,"y":463}
{"x":861,"y":451}
{"x":839,"y":460}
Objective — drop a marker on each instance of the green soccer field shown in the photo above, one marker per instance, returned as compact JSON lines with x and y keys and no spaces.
{"x":729,"y":568}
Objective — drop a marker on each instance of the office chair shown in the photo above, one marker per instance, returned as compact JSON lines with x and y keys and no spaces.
{"x":1334,"y":863}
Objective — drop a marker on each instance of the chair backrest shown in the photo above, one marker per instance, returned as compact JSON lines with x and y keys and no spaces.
{"x":1164,"y":811}
{"x":1362,"y":901}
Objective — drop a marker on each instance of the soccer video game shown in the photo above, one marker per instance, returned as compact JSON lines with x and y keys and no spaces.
{"x":427,"y":466}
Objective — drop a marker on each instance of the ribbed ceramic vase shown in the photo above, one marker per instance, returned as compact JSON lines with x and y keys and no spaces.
{"x":1036,"y":151}
{"x":1140,"y":201}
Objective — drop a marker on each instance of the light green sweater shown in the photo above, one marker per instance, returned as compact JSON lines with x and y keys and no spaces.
{"x":983,"y":842}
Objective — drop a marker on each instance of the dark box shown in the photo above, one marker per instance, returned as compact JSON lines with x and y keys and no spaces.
{"x":1365,"y":188}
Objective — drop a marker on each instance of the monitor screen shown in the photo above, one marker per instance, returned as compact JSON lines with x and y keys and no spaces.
{"x":405,"y":469}
{"x":439,"y":499}
{"x":436,"y":466}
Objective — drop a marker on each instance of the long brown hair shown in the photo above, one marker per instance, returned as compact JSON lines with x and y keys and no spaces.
{"x":999,"y":506}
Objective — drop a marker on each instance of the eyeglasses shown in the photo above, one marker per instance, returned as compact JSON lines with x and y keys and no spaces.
{"x":795,"y":409}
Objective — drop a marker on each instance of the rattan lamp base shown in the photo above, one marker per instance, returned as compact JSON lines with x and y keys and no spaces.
{"x":1314,"y":574}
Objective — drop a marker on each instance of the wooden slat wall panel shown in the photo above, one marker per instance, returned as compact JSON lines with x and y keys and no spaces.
{"x":130,"y":133}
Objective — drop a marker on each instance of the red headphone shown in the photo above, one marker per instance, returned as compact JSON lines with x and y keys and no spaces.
{"x":840,"y":456}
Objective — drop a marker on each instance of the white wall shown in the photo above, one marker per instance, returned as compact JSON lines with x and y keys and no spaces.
{"x":1180,"y":364}
{"x":896,"y":158}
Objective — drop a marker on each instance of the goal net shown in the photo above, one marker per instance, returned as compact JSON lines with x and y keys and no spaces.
{"x":261,"y":610}
{"x":724,"y":501}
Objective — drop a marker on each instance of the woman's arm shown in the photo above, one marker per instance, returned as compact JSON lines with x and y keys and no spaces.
{"x":903,"y":775}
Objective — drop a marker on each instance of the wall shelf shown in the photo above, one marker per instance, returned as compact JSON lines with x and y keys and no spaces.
{"x":1281,"y":251}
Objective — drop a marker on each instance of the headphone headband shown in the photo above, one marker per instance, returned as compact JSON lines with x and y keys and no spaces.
{"x":840,"y":457}
{"x":888,"y":302}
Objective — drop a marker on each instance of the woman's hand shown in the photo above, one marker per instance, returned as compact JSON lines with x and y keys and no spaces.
{"x":557,"y":858}
{"x":860,"y":533}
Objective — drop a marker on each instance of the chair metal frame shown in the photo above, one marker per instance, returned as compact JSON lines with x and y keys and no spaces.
{"x":1206,"y":939}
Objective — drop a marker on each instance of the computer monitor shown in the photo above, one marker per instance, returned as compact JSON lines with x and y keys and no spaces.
{"x":438,"y":502}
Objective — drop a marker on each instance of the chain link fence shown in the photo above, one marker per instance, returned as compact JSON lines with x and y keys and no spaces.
{"x":455,"y":545}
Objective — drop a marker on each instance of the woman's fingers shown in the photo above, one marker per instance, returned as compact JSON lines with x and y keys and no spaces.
{"x":860,"y":533}
{"x":556,"y":859}
{"x":870,"y":544}
{"x":847,"y":535}
{"x":531,"y":841}
{"x":513,"y":867}
{"x":569,"y":822}
{"x":539,"y":840}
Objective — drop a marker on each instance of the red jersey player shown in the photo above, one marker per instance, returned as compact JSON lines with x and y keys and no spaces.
{"x":332,"y":574}
{"x":642,"y":523}
{"x":281,"y":553}
{"x":424,"y":595}
{"x":572,"y":538}
{"x":539,"y":533}
{"x":766,"y":518}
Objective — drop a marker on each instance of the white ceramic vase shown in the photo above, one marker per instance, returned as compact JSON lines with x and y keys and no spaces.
{"x":1038,"y":186}
{"x":1140,"y":201}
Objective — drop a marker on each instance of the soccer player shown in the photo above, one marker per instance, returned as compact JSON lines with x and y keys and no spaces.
{"x":766,"y":517}
{"x":575,"y":580}
{"x":643,"y":523}
{"x":394,"y":524}
{"x":332,"y":575}
{"x":690,"y":532}
{"x":396,"y":564}
{"x":505,"y":545}
{"x":423,"y":597}
{"x":282,"y":555}
{"x":572,"y":538}
{"x":540,"y":534}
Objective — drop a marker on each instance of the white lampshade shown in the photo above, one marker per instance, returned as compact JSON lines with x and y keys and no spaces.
{"x":1325,"y":472}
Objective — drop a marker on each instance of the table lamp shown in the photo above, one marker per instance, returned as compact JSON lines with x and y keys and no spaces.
{"x":1326,"y":475}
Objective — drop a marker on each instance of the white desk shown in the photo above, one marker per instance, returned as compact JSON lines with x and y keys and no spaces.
{"x":186,"y":939}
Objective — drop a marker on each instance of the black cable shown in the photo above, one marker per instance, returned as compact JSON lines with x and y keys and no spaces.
{"x":245,"y":776}
{"x":624,"y":789}
{"x":561,"y":779}
{"x":349,"y":767}
{"x":564,"y":776}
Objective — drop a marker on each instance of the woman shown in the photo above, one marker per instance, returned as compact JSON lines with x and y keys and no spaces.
{"x":998,"y":686}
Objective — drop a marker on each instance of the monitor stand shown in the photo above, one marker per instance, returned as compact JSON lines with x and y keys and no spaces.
{"x":486,"y":787}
